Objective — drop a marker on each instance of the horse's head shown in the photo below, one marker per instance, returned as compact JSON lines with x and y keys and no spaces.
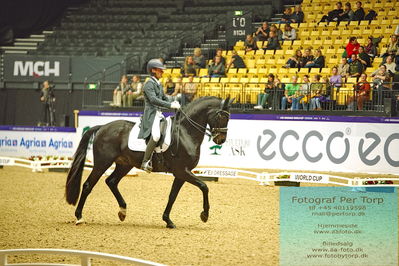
{"x":218,"y":119}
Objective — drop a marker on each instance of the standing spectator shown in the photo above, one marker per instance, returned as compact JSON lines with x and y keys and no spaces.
{"x":287,"y":16}
{"x":134,"y":92}
{"x":318,"y":61}
{"x":392,"y":48}
{"x":265,"y":99}
{"x":169,"y":86}
{"x":352,"y":47}
{"x":262,"y":34}
{"x":291,"y":95}
{"x":364,"y":58}
{"x":362,"y":93}
{"x":189,"y":91}
{"x":347,"y":14}
{"x":335,"y":80}
{"x":120,"y":91}
{"x":47,"y":98}
{"x":219,"y":52}
{"x":307,"y":57}
{"x":235,"y":61}
{"x":289,"y":33}
{"x":298,"y":15}
{"x":190,"y":68}
{"x":359,"y":12}
{"x":316,"y":92}
{"x":343,"y":68}
{"x":250,"y":43}
{"x":304,"y":92}
{"x":370,"y":48}
{"x":199,"y":59}
{"x":272,"y":42}
{"x":390,"y":65}
{"x":355,"y":67}
{"x":295,"y":60}
{"x":334,"y":14}
{"x":216,"y":68}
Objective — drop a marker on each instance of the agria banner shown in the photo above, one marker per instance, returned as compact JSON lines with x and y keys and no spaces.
{"x":32,"y":141}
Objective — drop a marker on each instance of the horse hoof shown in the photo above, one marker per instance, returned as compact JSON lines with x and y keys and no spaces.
{"x":80,"y":221}
{"x":204,"y":217}
{"x":171,"y":226}
{"x":122,"y":214}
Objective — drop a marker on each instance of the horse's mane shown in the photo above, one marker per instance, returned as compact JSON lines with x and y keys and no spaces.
{"x":197,"y":103}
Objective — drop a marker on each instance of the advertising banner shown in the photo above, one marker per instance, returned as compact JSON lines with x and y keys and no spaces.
{"x":36,"y":68}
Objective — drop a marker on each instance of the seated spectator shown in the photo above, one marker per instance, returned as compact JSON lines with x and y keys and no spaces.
{"x":250,"y":43}
{"x":295,"y":60}
{"x":169,"y":86}
{"x":298,"y":15}
{"x":134,"y":92}
{"x":277,"y":31}
{"x":334,"y":14}
{"x":287,"y":16}
{"x":318,"y":61}
{"x":381,"y":78}
{"x":307,"y":57}
{"x":364,"y":58}
{"x":190,"y":68}
{"x":355,"y":67}
{"x":216,"y":68}
{"x":343,"y":68}
{"x":272,"y":42}
{"x":316,"y":89}
{"x":189,"y":91}
{"x":359,"y":12}
{"x":120,"y":91}
{"x":352,"y":47}
{"x":199,"y":59}
{"x":262,"y":34}
{"x":235,"y":61}
{"x":265,"y":99}
{"x":390,"y":65}
{"x":289,"y":33}
{"x":371,"y":47}
{"x":362,"y":93}
{"x":219,"y":52}
{"x":396,"y":33}
{"x":335,"y":80}
{"x":291,"y":95}
{"x":304,"y":92}
{"x":178,"y":87}
{"x":347,"y":14}
{"x":392,"y":48}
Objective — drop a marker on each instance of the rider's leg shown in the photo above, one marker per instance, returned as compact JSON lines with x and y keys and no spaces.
{"x":146,"y":165}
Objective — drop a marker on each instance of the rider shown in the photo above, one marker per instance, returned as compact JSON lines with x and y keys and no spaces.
{"x":154,"y":98}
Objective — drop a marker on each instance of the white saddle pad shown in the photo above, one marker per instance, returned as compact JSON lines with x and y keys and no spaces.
{"x":136,"y":144}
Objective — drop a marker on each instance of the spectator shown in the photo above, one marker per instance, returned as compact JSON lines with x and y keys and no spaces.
{"x":236,"y":61}
{"x":352,"y":47}
{"x":289,"y":33}
{"x":272,"y":42}
{"x":189,"y":91}
{"x":362,"y":93}
{"x":262,"y":34}
{"x":343,"y":68}
{"x":390,"y":65}
{"x":216,"y":68}
{"x":355,"y":67}
{"x":396,"y":33}
{"x":120,"y":91}
{"x":298,"y":15}
{"x":287,"y":16}
{"x":364,"y":58}
{"x":304,"y":92}
{"x":178,"y":87}
{"x":190,"y":68}
{"x":316,"y":93}
{"x":169,"y":86}
{"x":199,"y":59}
{"x":277,"y":31}
{"x":381,"y":78}
{"x":250,"y":43}
{"x":334,"y":14}
{"x":307,"y":57}
{"x":291,"y":94}
{"x":359,"y":13}
{"x":265,"y":99}
{"x":318,"y":61}
{"x":47,"y":98}
{"x":392,"y":48}
{"x":347,"y":14}
{"x":335,"y":80}
{"x":134,"y":92}
{"x":295,"y":60}
{"x":370,"y":48}
{"x":219,"y":52}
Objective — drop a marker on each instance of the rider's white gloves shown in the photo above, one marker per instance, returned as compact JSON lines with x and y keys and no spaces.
{"x":175,"y":105}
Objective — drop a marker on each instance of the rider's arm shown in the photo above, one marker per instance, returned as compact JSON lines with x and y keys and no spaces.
{"x":149,"y":91}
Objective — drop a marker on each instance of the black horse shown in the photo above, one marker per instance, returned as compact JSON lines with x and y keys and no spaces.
{"x":111,"y":145}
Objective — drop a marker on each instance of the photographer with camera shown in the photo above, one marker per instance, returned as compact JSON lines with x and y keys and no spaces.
{"x":47,"y":98}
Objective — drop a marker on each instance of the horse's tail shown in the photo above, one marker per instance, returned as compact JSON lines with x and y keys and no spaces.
{"x":72,"y":187}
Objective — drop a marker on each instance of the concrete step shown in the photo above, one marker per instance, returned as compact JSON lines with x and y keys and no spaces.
{"x":29,"y":40}
{"x":17,"y":48}
{"x":15,"y":52}
{"x":37,"y":36}
{"x":25,"y":43}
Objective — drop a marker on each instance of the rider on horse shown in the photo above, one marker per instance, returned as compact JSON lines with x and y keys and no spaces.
{"x":154,"y":98}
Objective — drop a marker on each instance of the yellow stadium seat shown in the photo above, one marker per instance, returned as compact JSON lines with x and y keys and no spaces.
{"x":259,"y":44}
{"x":283,"y":71}
{"x":167,"y":71}
{"x":185,"y":80}
{"x":215,"y":80}
{"x":271,"y":61}
{"x":234,"y":91}
{"x":251,"y":92}
{"x":242,"y":71}
{"x":292,"y":71}
{"x":273,"y":70}
{"x":203,"y":72}
{"x":263,"y":71}
{"x":281,"y":61}
{"x":314,"y":70}
{"x":336,"y":32}
{"x":232,"y":71}
{"x":212,"y":89}
{"x":260,"y":62}
{"x":260,"y":52}
{"x":252,"y":71}
{"x":269,"y":52}
{"x":234,"y":79}
{"x":205,"y":79}
{"x":196,"y":79}
{"x":303,"y":70}
{"x":239,"y":44}
{"x":224,"y":80}
{"x":250,"y":63}
{"x":241,"y":52}
{"x":252,"y":52}
{"x":254,"y":80}
{"x":325,"y":71}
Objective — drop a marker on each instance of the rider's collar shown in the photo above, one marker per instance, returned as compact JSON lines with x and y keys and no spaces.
{"x":156,"y":80}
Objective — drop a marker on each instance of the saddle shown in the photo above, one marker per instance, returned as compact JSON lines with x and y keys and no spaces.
{"x":161,"y":132}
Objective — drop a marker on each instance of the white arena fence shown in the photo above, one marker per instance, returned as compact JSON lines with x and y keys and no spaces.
{"x":262,"y":178}
{"x":85,"y":257}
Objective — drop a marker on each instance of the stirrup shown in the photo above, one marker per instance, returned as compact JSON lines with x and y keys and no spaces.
{"x":146,"y":166}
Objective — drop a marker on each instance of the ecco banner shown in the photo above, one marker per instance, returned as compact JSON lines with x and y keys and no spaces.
{"x":36,"y":68}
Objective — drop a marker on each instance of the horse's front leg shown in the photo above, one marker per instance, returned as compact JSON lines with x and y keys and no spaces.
{"x":176,"y":186}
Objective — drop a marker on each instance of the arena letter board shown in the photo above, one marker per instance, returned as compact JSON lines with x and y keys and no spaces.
{"x":239,"y":24}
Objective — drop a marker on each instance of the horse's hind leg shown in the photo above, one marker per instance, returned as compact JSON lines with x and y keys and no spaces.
{"x":113,"y":181}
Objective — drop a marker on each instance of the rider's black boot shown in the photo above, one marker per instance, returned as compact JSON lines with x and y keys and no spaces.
{"x":147,"y":165}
